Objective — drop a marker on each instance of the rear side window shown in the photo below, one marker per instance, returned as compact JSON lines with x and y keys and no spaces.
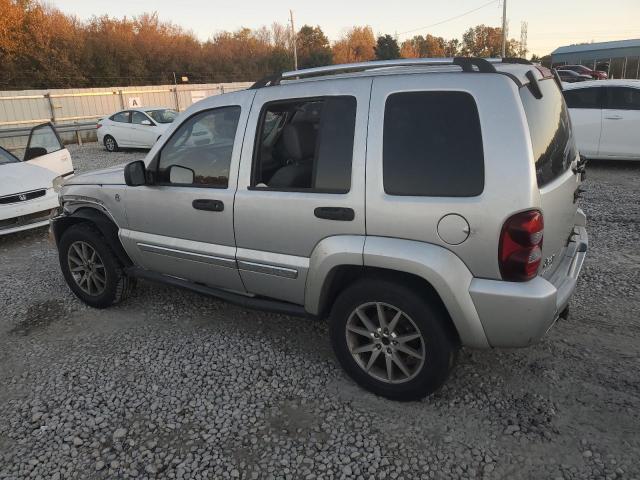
{"x":583,"y":97}
{"x":623,"y":98}
{"x":432,"y":145}
{"x":551,"y":136}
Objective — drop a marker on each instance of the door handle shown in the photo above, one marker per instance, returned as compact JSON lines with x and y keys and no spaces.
{"x":208,"y":205}
{"x":335,"y":213}
{"x":614,"y":117}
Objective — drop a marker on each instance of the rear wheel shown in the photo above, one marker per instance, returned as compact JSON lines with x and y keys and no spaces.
{"x":91,"y":269}
{"x":110,"y":143}
{"x":391,"y":340}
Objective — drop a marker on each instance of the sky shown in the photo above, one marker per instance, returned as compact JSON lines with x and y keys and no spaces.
{"x":551,"y":23}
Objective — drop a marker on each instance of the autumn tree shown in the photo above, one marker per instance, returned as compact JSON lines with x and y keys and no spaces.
{"x":429,"y":46}
{"x":484,"y":41}
{"x":387,"y":48}
{"x":356,"y":45}
{"x":313,"y":47}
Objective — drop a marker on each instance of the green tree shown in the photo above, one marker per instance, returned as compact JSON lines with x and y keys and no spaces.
{"x":313,"y":47}
{"x":387,"y":48}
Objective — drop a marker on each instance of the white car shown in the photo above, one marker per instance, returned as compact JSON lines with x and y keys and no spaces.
{"x":28,"y":187}
{"x":134,"y":128}
{"x":606,"y":118}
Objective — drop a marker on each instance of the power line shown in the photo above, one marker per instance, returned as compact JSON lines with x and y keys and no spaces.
{"x":451,"y":18}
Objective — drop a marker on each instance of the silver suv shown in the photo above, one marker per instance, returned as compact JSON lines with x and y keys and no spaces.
{"x":421,"y":205}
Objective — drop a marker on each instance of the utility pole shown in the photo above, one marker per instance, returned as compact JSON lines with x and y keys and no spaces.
{"x":504,"y":28}
{"x":293,"y":40}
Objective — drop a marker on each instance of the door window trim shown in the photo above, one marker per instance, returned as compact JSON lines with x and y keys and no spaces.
{"x":154,"y":165}
{"x":258,"y":138}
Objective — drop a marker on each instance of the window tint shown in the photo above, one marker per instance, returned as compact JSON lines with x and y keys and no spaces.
{"x":432,"y":145}
{"x":306,"y":145}
{"x":551,"y":136}
{"x":6,"y":157}
{"x":43,"y":140}
{"x":203,"y":144}
{"x":163,"y":116}
{"x":583,"y":97}
{"x":138,"y":118}
{"x":623,"y":98}
{"x":122,"y":117}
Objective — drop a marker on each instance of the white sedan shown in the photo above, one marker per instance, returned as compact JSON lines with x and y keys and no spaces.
{"x":134,"y":128}
{"x":28,"y":187}
{"x":605,"y":115}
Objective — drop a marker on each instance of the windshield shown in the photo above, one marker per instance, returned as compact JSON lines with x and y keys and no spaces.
{"x":163,"y":116}
{"x":6,"y":157}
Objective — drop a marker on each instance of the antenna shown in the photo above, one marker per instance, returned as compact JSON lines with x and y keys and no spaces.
{"x":523,"y":40}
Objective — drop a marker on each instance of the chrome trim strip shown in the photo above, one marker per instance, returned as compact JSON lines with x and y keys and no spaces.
{"x":267,"y":269}
{"x":196,"y":257}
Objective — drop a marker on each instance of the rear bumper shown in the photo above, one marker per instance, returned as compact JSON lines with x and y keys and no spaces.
{"x":517,"y":314}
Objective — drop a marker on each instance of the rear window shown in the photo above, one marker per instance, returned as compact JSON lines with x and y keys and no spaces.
{"x":551,"y":136}
{"x":432,"y":145}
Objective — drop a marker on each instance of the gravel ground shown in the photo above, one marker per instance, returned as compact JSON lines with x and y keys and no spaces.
{"x":170,"y":384}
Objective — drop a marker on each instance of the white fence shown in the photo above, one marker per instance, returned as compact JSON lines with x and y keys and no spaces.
{"x":76,"y":106}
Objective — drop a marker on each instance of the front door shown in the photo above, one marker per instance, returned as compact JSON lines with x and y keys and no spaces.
{"x":585,"y":109}
{"x":621,"y":123}
{"x":301,"y":180}
{"x":144,"y":132}
{"x":182,"y":225}
{"x":45,"y":149}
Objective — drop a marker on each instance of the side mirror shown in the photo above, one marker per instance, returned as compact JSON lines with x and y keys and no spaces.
{"x":135,"y":174}
{"x":145,"y":122}
{"x":181,"y":175}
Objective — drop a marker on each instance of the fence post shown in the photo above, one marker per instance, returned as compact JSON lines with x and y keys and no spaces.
{"x":221,"y":89}
{"x":78,"y":136}
{"x":121,"y":99}
{"x":175,"y":93}
{"x":52,"y":107}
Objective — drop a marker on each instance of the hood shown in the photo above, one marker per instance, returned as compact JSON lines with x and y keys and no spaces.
{"x":105,"y":176}
{"x":23,"y":177}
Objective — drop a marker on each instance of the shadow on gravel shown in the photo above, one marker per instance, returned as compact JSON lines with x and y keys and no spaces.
{"x":39,"y":316}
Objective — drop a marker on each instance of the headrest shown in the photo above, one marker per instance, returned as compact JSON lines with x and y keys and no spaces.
{"x":299,"y":140}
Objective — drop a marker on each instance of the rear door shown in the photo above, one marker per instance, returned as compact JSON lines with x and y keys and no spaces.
{"x":585,"y":108}
{"x":621,"y":123}
{"x":555,"y":153}
{"x":301,"y":180}
{"x":120,"y":128}
{"x":45,"y":149}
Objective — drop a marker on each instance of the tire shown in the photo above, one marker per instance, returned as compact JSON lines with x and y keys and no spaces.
{"x":420,"y":315}
{"x":110,"y":144}
{"x":108,"y":284}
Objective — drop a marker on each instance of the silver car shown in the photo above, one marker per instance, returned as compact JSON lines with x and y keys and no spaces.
{"x":421,"y":205}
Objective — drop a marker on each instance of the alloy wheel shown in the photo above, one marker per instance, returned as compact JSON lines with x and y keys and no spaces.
{"x":385,"y":342}
{"x":87,"y":268}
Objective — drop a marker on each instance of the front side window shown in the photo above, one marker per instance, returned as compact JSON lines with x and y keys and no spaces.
{"x":164,"y":115}
{"x":43,"y":140}
{"x":306,"y":144}
{"x":139,"y":117}
{"x":199,"y":151}
{"x":583,"y":97}
{"x":432,"y":145}
{"x":552,"y":139}
{"x":623,"y":98}
{"x":121,"y":117}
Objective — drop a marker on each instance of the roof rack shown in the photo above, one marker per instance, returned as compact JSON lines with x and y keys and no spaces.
{"x":483,"y":65}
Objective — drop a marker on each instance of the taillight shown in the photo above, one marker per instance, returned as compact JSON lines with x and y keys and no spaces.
{"x":98,"y":126}
{"x":520,"y":251}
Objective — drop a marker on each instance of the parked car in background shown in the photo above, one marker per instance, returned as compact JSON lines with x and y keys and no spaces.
{"x":28,"y":187}
{"x":569,"y":76}
{"x":134,"y":128}
{"x":606,"y":118}
{"x":582,"y":70}
{"x":464,"y":231}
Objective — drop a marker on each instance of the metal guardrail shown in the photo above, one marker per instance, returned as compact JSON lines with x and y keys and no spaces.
{"x":64,"y":128}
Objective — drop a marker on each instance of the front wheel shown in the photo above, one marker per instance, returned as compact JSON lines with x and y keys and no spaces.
{"x":91,"y":269}
{"x":391,"y":340}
